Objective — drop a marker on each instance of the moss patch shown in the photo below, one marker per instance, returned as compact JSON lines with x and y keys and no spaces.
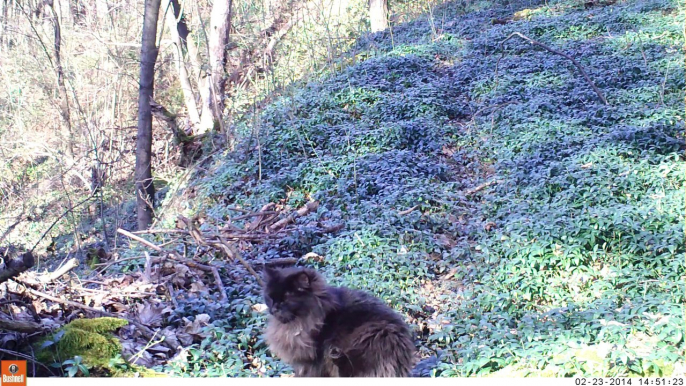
{"x":89,"y":338}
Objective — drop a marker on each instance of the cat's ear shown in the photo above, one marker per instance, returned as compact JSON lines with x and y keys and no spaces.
{"x":270,"y":273}
{"x":303,"y":281}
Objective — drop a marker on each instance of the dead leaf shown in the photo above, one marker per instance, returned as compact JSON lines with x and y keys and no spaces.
{"x":198,"y":286}
{"x":116,"y":306}
{"x":170,"y":336}
{"x":261,"y":308}
{"x":150,"y":315}
{"x":195,"y":328}
{"x":184,"y":338}
{"x":312,"y":257}
{"x":445,"y":241}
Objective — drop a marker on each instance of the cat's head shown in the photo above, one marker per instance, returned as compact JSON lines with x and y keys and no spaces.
{"x":292,"y":293}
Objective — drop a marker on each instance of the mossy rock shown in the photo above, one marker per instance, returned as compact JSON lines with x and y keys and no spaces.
{"x":90,"y":339}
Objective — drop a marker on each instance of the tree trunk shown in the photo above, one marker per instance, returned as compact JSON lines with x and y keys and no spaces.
{"x":179,"y":33}
{"x":378,"y":11}
{"x":61,"y":85}
{"x":145,"y":190}
{"x":220,"y":24}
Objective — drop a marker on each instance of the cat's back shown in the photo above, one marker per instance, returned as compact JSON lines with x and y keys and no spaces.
{"x":356,"y":305}
{"x":373,"y":339}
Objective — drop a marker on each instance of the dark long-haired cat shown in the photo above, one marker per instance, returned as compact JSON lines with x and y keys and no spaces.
{"x":324,"y":331}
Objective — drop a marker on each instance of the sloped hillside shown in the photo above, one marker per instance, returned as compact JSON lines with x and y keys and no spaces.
{"x":521,"y":225}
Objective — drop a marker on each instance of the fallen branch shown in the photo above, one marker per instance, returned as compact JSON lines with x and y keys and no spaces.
{"x":244,"y":216}
{"x":308,"y":208}
{"x":554,"y":51}
{"x":480,"y":187}
{"x":283,"y":261}
{"x":22,"y":326}
{"x":128,"y":293}
{"x":154,"y":231}
{"x":218,"y":279}
{"x":71,"y":264}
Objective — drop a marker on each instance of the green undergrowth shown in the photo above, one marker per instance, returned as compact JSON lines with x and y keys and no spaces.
{"x":547,"y":232}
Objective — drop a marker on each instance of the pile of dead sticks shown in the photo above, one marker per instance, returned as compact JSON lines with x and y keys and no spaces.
{"x":266,"y":223}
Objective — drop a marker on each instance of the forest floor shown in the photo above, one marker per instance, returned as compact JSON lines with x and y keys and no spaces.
{"x":477,"y":184}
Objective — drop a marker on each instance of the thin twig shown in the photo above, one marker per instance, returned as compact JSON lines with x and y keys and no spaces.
{"x":172,"y":296}
{"x":234,"y":254}
{"x":495,"y":107}
{"x":153,"y":231}
{"x":139,"y":239}
{"x":480,"y":187}
{"x":58,"y":219}
{"x":408,"y":211}
{"x":662,"y":89}
{"x":554,"y":51}
{"x":218,"y":279}
{"x":640,"y":42}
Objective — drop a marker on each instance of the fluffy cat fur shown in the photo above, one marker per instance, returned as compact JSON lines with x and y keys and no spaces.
{"x":324,"y":331}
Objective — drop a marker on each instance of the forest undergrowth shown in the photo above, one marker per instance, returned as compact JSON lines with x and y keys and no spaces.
{"x":520,"y":224}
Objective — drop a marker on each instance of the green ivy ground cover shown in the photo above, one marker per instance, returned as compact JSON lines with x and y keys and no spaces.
{"x":548,"y":234}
